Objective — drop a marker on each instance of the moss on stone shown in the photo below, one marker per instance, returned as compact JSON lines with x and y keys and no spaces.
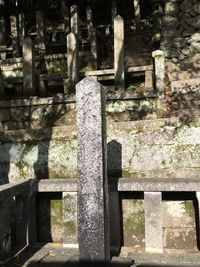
{"x":133,"y":221}
{"x":70,"y":228}
{"x":56,"y":211}
{"x":189,"y":208}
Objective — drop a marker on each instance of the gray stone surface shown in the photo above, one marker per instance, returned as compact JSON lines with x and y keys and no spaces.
{"x":93,"y":220}
{"x":153,"y":222}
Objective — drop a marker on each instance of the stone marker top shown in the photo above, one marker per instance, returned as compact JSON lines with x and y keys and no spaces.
{"x":158,"y":53}
{"x":85,"y":85}
{"x":118,"y":17}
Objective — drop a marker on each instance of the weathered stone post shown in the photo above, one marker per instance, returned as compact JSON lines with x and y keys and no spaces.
{"x":40,"y":25}
{"x":93,"y":214}
{"x":28,"y":67}
{"x":159,"y":65}
{"x":136,"y":4}
{"x":153,"y":222}
{"x":119,"y":53}
{"x":74,"y":19}
{"x":92,"y":36}
{"x":21,"y":28}
{"x":14,"y":34}
{"x":72,"y":60}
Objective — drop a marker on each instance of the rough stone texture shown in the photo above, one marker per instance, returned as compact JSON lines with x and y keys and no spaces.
{"x":93,"y":223}
{"x":153,"y":222}
{"x":181,"y":19}
{"x":186,"y":86}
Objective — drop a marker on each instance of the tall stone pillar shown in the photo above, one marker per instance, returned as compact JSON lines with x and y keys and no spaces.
{"x":159,"y":65}
{"x":119,"y":53}
{"x":93,"y":213}
{"x":29,"y":87}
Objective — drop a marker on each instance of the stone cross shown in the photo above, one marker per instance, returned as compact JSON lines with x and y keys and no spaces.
{"x":93,"y":214}
{"x":119,"y":53}
{"x":159,"y":63}
{"x":29,"y":85}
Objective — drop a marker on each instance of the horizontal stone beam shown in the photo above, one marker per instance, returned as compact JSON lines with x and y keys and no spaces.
{"x":126,"y":184}
{"x":123,"y":185}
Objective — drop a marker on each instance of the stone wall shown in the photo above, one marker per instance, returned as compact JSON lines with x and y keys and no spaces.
{"x":149,"y":148}
{"x":180,"y":35}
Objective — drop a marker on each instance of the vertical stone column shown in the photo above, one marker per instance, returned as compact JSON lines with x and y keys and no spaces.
{"x":148,"y":79}
{"x":28,"y":67}
{"x":40,"y":27}
{"x":136,"y":4}
{"x":21,"y":28}
{"x":74,"y":19}
{"x":93,"y":213}
{"x":2,"y":37}
{"x":159,"y":65}
{"x":153,"y":222}
{"x":70,"y":219}
{"x":72,"y":60}
{"x":14,"y":34}
{"x":92,"y":36}
{"x":119,"y":53}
